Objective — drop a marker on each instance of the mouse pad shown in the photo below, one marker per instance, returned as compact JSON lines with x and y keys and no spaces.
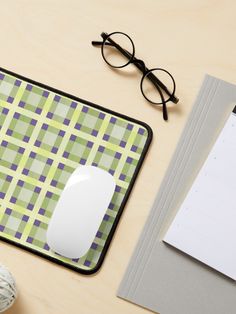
{"x":44,"y":135}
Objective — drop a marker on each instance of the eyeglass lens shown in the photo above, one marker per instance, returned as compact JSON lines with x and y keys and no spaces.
{"x":151,"y":91}
{"x":111,"y":52}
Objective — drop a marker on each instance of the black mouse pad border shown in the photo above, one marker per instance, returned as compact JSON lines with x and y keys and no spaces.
{"x":104,"y":138}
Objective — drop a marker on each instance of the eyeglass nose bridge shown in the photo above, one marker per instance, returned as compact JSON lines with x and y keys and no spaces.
{"x":140,"y":64}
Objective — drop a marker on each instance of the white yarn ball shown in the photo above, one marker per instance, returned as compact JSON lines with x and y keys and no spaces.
{"x":8,"y":291}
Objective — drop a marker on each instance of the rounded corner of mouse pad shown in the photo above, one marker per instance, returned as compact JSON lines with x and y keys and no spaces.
{"x":44,"y":135}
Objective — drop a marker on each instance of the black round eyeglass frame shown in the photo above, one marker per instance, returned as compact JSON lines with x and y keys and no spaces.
{"x":147,"y":73}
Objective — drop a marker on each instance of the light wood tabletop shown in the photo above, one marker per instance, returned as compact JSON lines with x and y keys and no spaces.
{"x":50,"y":42}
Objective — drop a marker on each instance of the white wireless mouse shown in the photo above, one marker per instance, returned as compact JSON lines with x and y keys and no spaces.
{"x":79,"y":211}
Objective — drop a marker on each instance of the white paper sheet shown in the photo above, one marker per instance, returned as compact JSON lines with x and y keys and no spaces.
{"x":205,"y":225}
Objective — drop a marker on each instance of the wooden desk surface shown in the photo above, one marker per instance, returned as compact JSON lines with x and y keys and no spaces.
{"x":49,"y":41}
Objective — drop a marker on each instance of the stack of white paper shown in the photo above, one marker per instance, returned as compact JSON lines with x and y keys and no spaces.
{"x":205,"y":226}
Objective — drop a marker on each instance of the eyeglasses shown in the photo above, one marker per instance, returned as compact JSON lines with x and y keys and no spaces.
{"x":157,"y":85}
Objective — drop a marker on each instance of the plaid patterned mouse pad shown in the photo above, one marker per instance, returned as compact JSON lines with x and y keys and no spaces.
{"x":44,"y":135}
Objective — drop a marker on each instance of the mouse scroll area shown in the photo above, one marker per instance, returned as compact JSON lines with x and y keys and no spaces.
{"x":80,"y":211}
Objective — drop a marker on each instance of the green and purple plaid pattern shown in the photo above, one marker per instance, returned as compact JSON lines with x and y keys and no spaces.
{"x":44,"y":136}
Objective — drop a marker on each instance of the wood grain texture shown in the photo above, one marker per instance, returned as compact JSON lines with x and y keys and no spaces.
{"x":50,"y":41}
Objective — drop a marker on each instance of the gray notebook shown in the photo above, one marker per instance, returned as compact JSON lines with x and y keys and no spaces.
{"x":159,"y":277}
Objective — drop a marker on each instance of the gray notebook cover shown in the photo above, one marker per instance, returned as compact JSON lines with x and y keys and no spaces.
{"x":160,"y":277}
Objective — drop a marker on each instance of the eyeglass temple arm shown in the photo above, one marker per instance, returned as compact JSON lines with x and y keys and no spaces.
{"x":164,"y":108}
{"x":156,"y":81}
{"x":99,"y":43}
{"x":113,"y":44}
